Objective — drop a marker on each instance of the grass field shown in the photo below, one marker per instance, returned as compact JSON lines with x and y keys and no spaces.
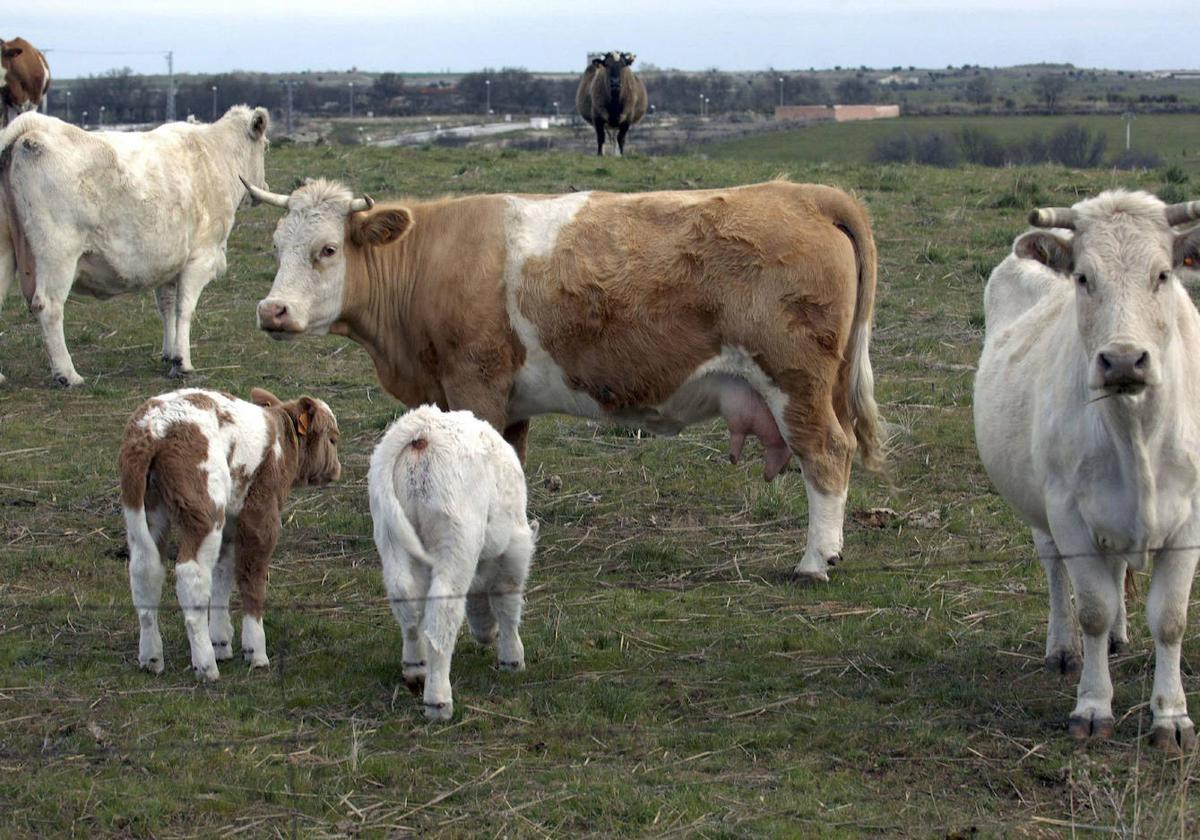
{"x":679,"y":681}
{"x":1176,"y":138}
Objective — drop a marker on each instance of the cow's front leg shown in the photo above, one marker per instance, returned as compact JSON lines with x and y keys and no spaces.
{"x":1097,"y":583}
{"x":191,"y":283}
{"x":1166,"y":611}
{"x":47,"y":304}
{"x":1062,"y":643}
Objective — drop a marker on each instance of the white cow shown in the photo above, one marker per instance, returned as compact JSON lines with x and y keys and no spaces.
{"x":448,"y":501}
{"x":109,"y":212}
{"x":1087,"y":417}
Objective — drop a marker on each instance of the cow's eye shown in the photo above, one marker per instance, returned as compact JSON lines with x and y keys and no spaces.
{"x":328,"y":251}
{"x":1081,"y":281}
{"x":1163,"y":277}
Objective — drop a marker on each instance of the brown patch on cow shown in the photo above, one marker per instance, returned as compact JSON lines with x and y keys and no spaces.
{"x":204,"y":402}
{"x":431,"y":316}
{"x":640,"y":291}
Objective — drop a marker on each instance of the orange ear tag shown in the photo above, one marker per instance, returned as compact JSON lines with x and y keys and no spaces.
{"x":1189,"y":261}
{"x":302,"y":424}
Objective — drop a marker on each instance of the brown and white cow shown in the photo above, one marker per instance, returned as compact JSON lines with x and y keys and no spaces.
{"x":657,"y":310}
{"x":24,"y":78}
{"x":219,"y":470}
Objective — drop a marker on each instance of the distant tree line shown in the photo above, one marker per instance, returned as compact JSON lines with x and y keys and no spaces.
{"x":126,"y":97}
{"x":1072,"y":145}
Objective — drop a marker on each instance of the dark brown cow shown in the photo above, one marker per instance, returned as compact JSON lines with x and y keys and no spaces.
{"x":657,"y":310}
{"x":615,"y":98}
{"x":24,"y":78}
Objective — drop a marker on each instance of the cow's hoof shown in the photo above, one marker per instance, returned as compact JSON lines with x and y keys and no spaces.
{"x":177,"y":371}
{"x":206,"y":673}
{"x":512,"y":666}
{"x":63,"y":380}
{"x":153,"y":664}
{"x":1175,"y":739}
{"x":806,"y":577}
{"x":1083,"y":728}
{"x":1117,"y":647}
{"x":439,"y":711}
{"x":1064,"y":662}
{"x":222,"y":651}
{"x":485,"y":637}
{"x":256,"y":658}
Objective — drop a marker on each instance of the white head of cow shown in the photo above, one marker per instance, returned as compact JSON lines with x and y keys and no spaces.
{"x":325,"y":229}
{"x":1122,"y":260}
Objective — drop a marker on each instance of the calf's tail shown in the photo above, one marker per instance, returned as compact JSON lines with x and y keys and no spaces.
{"x":394,"y":533}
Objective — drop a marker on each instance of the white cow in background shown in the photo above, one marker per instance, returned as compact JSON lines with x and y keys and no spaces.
{"x":1087,"y":417}
{"x":448,"y":501}
{"x":109,"y":212}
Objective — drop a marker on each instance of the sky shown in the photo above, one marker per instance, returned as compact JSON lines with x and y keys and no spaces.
{"x":83,"y":37}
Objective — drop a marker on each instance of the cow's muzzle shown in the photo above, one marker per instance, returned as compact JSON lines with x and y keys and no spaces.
{"x":275,"y":318}
{"x":1123,"y":368}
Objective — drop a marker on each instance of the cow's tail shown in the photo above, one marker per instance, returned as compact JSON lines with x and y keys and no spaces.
{"x":851,"y":218}
{"x":133,"y":464}
{"x":394,"y":533}
{"x":15,"y":255}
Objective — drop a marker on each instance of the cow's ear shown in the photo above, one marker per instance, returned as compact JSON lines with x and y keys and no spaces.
{"x":629,"y":57}
{"x":1187,"y":249}
{"x":380,"y":227}
{"x":1050,"y":250}
{"x":259,"y":122}
{"x":263,"y":397}
{"x":13,"y":52}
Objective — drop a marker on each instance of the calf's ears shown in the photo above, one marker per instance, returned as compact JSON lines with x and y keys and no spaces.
{"x":259,"y":121}
{"x":303,"y":411}
{"x":263,"y":397}
{"x":379,"y":227}
{"x":1050,"y":250}
{"x":1187,"y":249}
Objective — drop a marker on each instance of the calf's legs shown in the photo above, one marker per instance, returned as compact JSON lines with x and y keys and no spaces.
{"x":146,"y":576}
{"x":193,"y":587}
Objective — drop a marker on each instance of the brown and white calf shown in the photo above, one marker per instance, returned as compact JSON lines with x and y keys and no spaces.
{"x":657,"y":310}
{"x":217,"y":469}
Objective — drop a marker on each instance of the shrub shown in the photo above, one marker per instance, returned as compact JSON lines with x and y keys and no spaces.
{"x":936,"y":149}
{"x":894,"y":148}
{"x":1076,"y":146}
{"x":1135,"y":159}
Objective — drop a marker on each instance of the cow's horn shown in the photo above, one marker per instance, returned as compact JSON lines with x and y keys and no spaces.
{"x":1053,"y":217}
{"x":358,"y":205}
{"x":1177,"y":214}
{"x":263,"y":196}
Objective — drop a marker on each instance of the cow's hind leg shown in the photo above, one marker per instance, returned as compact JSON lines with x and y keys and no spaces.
{"x":508,"y":597}
{"x":621,"y":132}
{"x":193,"y":586}
{"x":164,"y":297}
{"x":599,"y":126}
{"x":824,"y":449}
{"x":407,"y":583}
{"x":8,"y":265}
{"x":1062,"y":642}
{"x":220,"y":621}
{"x":146,"y":575}
{"x":53,"y":284}
{"x":453,"y":569}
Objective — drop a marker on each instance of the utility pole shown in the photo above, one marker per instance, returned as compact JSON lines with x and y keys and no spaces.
{"x":1128,"y":117}
{"x":351,"y":100}
{"x":487,"y":84}
{"x":214,"y":115}
{"x":170,"y":85}
{"x":781,"y":91}
{"x":288,"y":87}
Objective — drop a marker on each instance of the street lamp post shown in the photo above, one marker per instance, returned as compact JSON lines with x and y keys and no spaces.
{"x":702,"y":104}
{"x":707,"y":110}
{"x":487,"y":86}
{"x":102,"y":116}
{"x":214,"y":114}
{"x":83,"y":122}
{"x":781,"y":91}
{"x":68,"y":106}
{"x":556,"y":110}
{"x":351,"y":100}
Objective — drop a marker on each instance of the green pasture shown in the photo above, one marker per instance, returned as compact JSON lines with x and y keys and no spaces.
{"x":1175,"y":138}
{"x":680,"y":682}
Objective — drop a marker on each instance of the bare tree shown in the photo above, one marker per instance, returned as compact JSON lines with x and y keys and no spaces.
{"x":1049,"y":88}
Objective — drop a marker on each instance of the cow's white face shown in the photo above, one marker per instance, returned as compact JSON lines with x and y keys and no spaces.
{"x":1124,"y":305}
{"x":1121,"y":262}
{"x":324,"y":238}
{"x":310,"y":283}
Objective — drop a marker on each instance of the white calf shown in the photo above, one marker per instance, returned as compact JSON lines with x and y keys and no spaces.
{"x":448,"y":501}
